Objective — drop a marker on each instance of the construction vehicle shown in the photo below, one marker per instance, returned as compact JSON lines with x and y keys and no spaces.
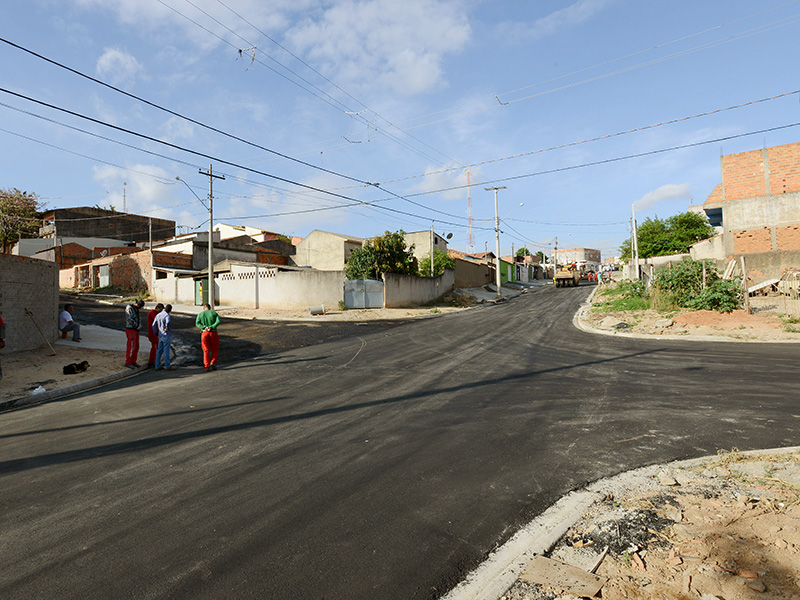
{"x":567,"y":276}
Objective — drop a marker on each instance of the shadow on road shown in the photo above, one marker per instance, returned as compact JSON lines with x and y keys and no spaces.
{"x":69,"y":456}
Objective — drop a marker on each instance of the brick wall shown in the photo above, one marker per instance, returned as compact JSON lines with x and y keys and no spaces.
{"x":32,"y":284}
{"x":743,"y":175}
{"x":747,"y":174}
{"x":753,"y":240}
{"x":784,"y":169}
{"x":788,"y":237}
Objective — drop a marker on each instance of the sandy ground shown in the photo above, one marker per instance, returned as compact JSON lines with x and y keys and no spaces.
{"x":373,"y":314}
{"x":729,"y":529}
{"x":24,"y":372}
{"x":736,"y":325}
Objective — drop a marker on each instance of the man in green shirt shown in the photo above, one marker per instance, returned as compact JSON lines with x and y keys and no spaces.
{"x":207,"y":322}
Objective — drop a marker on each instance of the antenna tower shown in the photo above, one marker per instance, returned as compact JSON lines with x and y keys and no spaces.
{"x":470,"y":236}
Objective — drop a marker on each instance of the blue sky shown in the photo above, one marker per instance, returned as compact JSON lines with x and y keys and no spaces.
{"x":328,"y":98}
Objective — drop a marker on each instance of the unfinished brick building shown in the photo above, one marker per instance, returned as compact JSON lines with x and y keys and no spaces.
{"x":757,"y":204}
{"x":88,"y":221}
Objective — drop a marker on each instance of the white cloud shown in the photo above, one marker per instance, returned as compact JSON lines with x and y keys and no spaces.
{"x":144,"y":191}
{"x":390,"y":44}
{"x":671,"y":191}
{"x":560,"y":20}
{"x":119,"y":67}
{"x":177,"y":129}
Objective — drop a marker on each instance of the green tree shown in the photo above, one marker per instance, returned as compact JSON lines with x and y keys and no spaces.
{"x":441,"y":261}
{"x":19,"y":213}
{"x":523,"y":252}
{"x":674,"y":235}
{"x":384,"y":254}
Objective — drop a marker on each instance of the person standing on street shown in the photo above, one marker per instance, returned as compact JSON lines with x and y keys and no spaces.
{"x":207,"y":322}
{"x":132,"y":323}
{"x":152,"y":335}
{"x":66,"y":324}
{"x":162,"y":327}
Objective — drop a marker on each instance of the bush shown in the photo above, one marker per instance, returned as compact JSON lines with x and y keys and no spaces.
{"x":684,"y":280}
{"x":681,"y":284}
{"x":723,"y":295}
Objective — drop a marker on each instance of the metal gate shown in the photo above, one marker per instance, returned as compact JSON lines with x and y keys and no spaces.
{"x":104,"y":276}
{"x":363,"y":293}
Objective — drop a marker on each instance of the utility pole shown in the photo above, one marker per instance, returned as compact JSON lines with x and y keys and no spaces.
{"x":211,"y":177}
{"x":496,"y":238}
{"x":431,"y":248}
{"x":635,"y":243}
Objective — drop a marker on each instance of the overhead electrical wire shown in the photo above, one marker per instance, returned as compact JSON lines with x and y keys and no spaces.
{"x":353,"y":201}
{"x":350,"y":112}
{"x":497,"y":105}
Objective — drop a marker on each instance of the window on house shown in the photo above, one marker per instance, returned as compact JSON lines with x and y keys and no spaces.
{"x":161,"y":274}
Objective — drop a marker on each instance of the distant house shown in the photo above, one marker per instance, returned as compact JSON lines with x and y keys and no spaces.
{"x":325,"y":251}
{"x":757,"y":206}
{"x":421,"y":240}
{"x":88,"y":221}
{"x":588,"y":258}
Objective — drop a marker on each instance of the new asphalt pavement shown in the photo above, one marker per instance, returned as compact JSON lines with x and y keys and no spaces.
{"x":385,"y":465}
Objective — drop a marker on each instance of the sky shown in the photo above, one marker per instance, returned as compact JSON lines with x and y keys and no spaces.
{"x":365,"y":116}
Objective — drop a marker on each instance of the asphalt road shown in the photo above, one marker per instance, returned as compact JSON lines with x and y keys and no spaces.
{"x":380,"y":466}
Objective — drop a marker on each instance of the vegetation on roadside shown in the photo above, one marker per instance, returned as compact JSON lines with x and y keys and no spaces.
{"x":673,"y":235}
{"x":676,"y":286}
{"x":383,"y":254}
{"x":789,"y":322}
{"x":19,"y":216}
{"x":441,"y":261}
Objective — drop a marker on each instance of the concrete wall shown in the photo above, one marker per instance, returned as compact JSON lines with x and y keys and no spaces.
{"x":173,"y":290}
{"x":422,"y":243}
{"x":710,"y":249}
{"x":325,"y":251}
{"x":32,"y":284}
{"x":411,"y":290}
{"x":279,"y":289}
{"x":470,"y":274}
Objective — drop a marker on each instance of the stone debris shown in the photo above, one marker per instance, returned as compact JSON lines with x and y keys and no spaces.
{"x":723,"y":531}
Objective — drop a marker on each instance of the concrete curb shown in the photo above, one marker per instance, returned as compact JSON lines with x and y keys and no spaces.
{"x":504,"y":566}
{"x":579,"y":322}
{"x":6,"y":405}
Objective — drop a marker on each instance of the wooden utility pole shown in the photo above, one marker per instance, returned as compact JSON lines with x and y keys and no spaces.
{"x":211,"y":177}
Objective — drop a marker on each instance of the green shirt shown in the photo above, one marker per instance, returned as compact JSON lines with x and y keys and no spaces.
{"x":207,"y":318}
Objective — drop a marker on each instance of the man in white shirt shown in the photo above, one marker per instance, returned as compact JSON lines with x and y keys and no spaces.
{"x":66,"y":324}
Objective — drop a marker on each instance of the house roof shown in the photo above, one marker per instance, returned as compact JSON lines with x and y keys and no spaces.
{"x":347,"y":238}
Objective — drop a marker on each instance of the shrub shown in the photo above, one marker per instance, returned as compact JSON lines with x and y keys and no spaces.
{"x":722,"y":295}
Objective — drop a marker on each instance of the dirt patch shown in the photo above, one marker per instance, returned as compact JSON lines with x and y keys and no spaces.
{"x":726,"y":530}
{"x":25,"y":372}
{"x":736,"y":325}
{"x":373,"y":314}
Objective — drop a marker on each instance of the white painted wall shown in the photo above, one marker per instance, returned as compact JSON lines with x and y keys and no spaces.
{"x":279,"y":289}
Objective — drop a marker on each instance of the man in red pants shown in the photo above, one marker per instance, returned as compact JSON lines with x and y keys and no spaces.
{"x":132,"y":324}
{"x":207,"y":322}
{"x":152,"y":336}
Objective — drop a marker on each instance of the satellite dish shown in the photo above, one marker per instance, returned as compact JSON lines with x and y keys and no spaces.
{"x":104,"y":253}
{"x":449,"y":235}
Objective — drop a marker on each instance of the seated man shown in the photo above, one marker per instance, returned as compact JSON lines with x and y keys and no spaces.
{"x":66,"y":324}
